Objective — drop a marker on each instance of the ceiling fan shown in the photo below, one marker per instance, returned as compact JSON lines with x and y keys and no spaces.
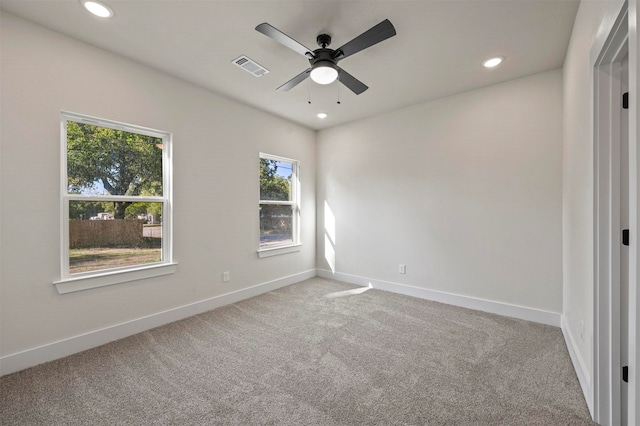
{"x":324,"y":61}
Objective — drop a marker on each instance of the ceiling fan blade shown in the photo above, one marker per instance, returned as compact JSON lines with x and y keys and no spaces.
{"x":283,"y":39}
{"x":355,"y":85}
{"x":373,"y":35}
{"x":295,"y":81}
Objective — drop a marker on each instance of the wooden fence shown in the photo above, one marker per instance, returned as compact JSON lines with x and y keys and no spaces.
{"x":105,"y":233}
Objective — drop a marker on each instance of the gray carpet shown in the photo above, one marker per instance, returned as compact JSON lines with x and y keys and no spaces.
{"x":319,"y":352}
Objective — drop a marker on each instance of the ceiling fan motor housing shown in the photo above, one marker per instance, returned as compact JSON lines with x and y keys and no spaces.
{"x":322,"y":57}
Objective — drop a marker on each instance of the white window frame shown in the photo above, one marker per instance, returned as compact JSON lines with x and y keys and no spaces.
{"x":92,"y":279}
{"x":294,"y":203}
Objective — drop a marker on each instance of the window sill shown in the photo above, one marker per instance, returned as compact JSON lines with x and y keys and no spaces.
{"x":275,"y":251}
{"x":69,"y":285}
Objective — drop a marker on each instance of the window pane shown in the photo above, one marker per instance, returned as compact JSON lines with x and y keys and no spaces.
{"x":112,"y":162}
{"x":275,"y":225}
{"x":275,"y":180}
{"x":97,"y":241}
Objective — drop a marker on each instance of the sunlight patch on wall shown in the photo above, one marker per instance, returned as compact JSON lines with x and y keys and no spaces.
{"x":329,"y":254}
{"x":329,"y":223}
{"x":329,"y":237}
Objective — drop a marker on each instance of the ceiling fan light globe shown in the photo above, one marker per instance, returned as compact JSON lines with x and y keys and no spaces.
{"x":324,"y":74}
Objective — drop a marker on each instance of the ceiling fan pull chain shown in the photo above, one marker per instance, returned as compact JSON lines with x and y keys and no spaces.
{"x":338,"y":79}
{"x":309,"y":92}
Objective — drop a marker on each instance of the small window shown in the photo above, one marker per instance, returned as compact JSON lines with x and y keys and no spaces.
{"x":115,"y":197}
{"x":279,"y":209}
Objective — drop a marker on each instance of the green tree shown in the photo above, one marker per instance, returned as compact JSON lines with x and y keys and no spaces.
{"x":273,"y":187}
{"x":84,"y":210}
{"x":136,"y":209}
{"x":124,"y":163}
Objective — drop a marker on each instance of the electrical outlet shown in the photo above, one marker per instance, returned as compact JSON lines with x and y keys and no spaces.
{"x":225,"y":276}
{"x":402,"y":269}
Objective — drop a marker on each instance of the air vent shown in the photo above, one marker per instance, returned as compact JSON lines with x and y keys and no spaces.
{"x":250,"y":66}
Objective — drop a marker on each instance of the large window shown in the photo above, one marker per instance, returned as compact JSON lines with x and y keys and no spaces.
{"x":116,"y":203}
{"x":279,"y":210}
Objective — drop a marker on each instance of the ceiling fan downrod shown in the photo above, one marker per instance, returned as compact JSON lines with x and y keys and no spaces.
{"x":323,"y":40}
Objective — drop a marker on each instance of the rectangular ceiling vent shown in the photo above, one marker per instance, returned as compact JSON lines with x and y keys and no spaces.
{"x":250,"y":66}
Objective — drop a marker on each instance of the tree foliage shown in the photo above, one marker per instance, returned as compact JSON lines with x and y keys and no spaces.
{"x":87,"y":209}
{"x":273,"y":186}
{"x":124,"y":163}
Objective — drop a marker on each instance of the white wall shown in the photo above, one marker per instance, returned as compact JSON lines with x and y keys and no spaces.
{"x":577,"y":190}
{"x":466,"y":191}
{"x":216,"y":148}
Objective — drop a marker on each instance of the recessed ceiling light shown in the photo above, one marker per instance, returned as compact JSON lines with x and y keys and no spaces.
{"x":97,"y":8}
{"x":493,"y":62}
{"x":322,"y":115}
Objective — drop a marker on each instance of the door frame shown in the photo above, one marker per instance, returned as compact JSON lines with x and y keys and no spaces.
{"x":617,"y":32}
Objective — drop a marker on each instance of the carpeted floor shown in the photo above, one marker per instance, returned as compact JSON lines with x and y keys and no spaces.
{"x":319,"y":352}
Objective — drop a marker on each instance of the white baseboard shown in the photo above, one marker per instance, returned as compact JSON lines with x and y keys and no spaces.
{"x":59,"y":349}
{"x":505,"y":309}
{"x":55,"y":350}
{"x":578,"y":365}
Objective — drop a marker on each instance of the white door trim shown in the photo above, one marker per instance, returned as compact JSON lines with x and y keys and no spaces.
{"x":617,"y":34}
{"x":634,"y":215}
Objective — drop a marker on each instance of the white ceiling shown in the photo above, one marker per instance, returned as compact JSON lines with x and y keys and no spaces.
{"x":437,"y":51}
